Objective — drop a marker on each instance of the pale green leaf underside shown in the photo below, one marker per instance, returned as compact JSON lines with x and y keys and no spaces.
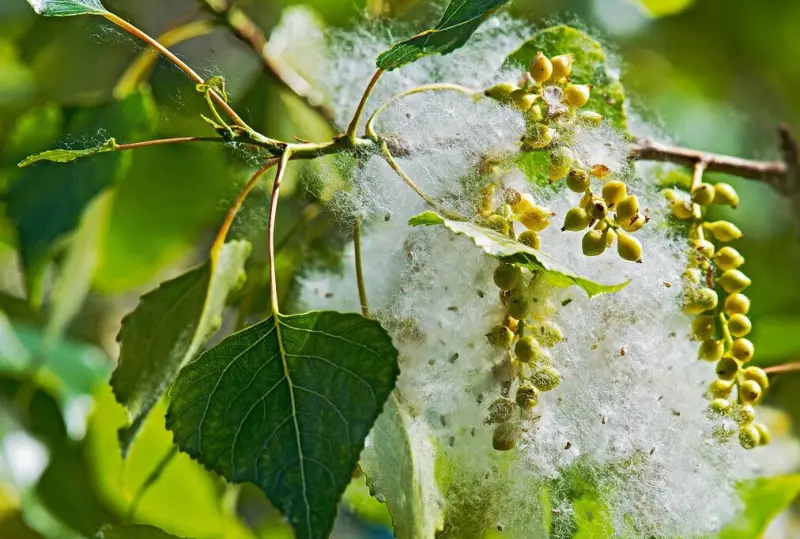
{"x":167,"y":329}
{"x":458,"y":23}
{"x":397,"y":474}
{"x":67,"y":8}
{"x":286,"y":404}
{"x":764,"y":499}
{"x":514,"y":252}
{"x":662,"y":8}
{"x":133,"y":531}
{"x":67,"y":156}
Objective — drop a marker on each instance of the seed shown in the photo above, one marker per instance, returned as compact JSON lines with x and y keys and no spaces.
{"x":739,"y":325}
{"x":500,"y":92}
{"x":530,"y":238}
{"x":742,"y":349}
{"x":634,"y":224}
{"x":578,"y":180}
{"x":527,"y":395}
{"x":562,"y":66}
{"x":576,"y":95}
{"x":764,"y":436}
{"x":576,"y":220}
{"x":504,"y":437}
{"x":711,"y":350}
{"x":728,"y":258}
{"x":749,"y":391}
{"x":703,"y":327}
{"x":538,"y":137}
{"x":704,"y":247}
{"x":591,"y":117}
{"x":561,"y":160}
{"x":500,"y":336}
{"x":546,"y":378}
{"x":720,"y":389}
{"x":596,"y":208}
{"x":627,"y":208}
{"x":526,"y":348}
{"x":506,"y":276}
{"x":723,"y":231}
{"x":593,"y":243}
{"x":537,"y":219}
{"x":701,"y":300}
{"x":703,"y":194}
{"x":737,"y":304}
{"x":727,"y":367}
{"x":548,"y":333}
{"x":614,"y":191}
{"x":745,"y":414}
{"x":500,"y":411}
{"x":726,"y":195}
{"x":629,"y":248}
{"x":734,"y":281}
{"x":541,"y":69}
{"x":517,"y":306}
{"x":757,"y":375}
{"x":682,"y":209}
{"x":523,"y":100}
{"x":498,"y":224}
{"x":720,"y":406}
{"x":749,"y":437}
{"x":520,"y":202}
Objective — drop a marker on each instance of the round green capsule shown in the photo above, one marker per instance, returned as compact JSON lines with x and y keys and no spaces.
{"x":723,"y":231}
{"x":530,"y":238}
{"x":614,"y":191}
{"x":541,"y":68}
{"x":728,"y":258}
{"x":546,"y":378}
{"x":749,"y":437}
{"x":522,"y":100}
{"x":596,"y":208}
{"x":727,"y":367}
{"x":739,"y":325}
{"x":704,"y":247}
{"x":501,"y":92}
{"x":703,"y":194}
{"x":719,"y":406}
{"x":733,"y":281}
{"x":526,"y":348}
{"x":562,"y":66}
{"x":701,"y":300}
{"x":749,"y":391}
{"x":720,"y":389}
{"x":593,"y":243}
{"x":627,"y":208}
{"x":576,"y":220}
{"x":629,"y":248}
{"x":548,"y":333}
{"x":742,"y":349}
{"x":518,"y":306}
{"x":578,"y":180}
{"x":757,"y":375}
{"x":561,"y":160}
{"x":500,"y":336}
{"x":681,"y":209}
{"x":726,"y":195}
{"x":505,"y":436}
{"x":500,"y":411}
{"x":497,"y":223}
{"x":507,"y":276}
{"x":527,"y":395}
{"x":577,"y":95}
{"x":703,"y":327}
{"x":763,"y":432}
{"x":711,"y":350}
{"x":539,"y":136}
{"x":737,"y":304}
{"x":745,"y":414}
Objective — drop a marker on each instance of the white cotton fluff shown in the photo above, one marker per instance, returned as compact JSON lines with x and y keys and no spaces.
{"x":629,"y":416}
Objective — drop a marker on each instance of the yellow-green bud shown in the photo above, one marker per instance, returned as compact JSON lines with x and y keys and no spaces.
{"x":497,"y":223}
{"x":726,"y":195}
{"x":530,"y":238}
{"x":633,"y":224}
{"x":681,"y":209}
{"x":614,"y":191}
{"x":703,"y":194}
{"x":561,"y":160}
{"x":704,"y":247}
{"x":576,"y":220}
{"x":501,"y":92}
{"x":693,"y":275}
{"x":627,"y":208}
{"x":593,"y":243}
{"x":727,"y":367}
{"x":507,"y":276}
{"x":537,"y":219}
{"x":590,"y":117}
{"x":764,"y":436}
{"x":701,"y":300}
{"x":546,"y":378}
{"x":739,"y":325}
{"x":500,"y":411}
{"x":745,"y":414}
{"x":500,"y":336}
{"x":526,"y":349}
{"x":728,"y":258}
{"x":519,"y":202}
{"x":742,"y":349}
{"x":577,"y":95}
{"x":629,"y":248}
{"x":671,"y":195}
{"x":720,"y":389}
{"x":578,"y":180}
{"x":517,"y":306}
{"x":541,"y":69}
{"x":562,"y":66}
{"x":711,"y":350}
{"x":596,"y":208}
{"x":538,"y":137}
{"x":504,"y":437}
{"x":734,"y":281}
{"x":527,"y":395}
{"x":749,"y":437}
{"x":749,"y":391}
{"x":548,"y":333}
{"x":757,"y":375}
{"x":522,"y":100}
{"x":737,"y":304}
{"x":703,"y":327}
{"x":723,"y":231}
{"x":720,"y":406}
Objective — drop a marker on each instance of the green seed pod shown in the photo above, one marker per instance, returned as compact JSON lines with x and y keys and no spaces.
{"x":723,"y":231}
{"x":500,"y":336}
{"x":500,"y":411}
{"x":701,"y":300}
{"x":610,"y":237}
{"x":703,"y":194}
{"x":627,"y":208}
{"x":561,"y":160}
{"x":578,"y":180}
{"x":764,"y":436}
{"x":546,"y":378}
{"x":720,"y":389}
{"x":562,"y":66}
{"x":734,"y":281}
{"x":590,"y":117}
{"x":504,"y":437}
{"x":530,"y":238}
{"x":577,"y":95}
{"x":548,"y":333}
{"x":739,"y":325}
{"x":742,"y":349}
{"x":711,"y":350}
{"x":520,"y":202}
{"x":737,"y":304}
{"x":538,"y":137}
{"x":749,"y":437}
{"x":757,"y":375}
{"x":727,"y":367}
{"x":728,"y":258}
{"x":749,"y":391}
{"x":526,"y":348}
{"x":537,"y":219}
{"x":497,"y":223}
{"x":522,"y":100}
{"x":527,"y":395}
{"x":745,"y":414}
{"x":725,"y":194}
{"x":596,"y":208}
{"x":593,"y":243}
{"x":501,"y":92}
{"x":614,"y":191}
{"x":671,"y":195}
{"x":681,"y":209}
{"x":507,"y":276}
{"x":576,"y":220}
{"x":517,"y":306}
{"x":704,"y":247}
{"x":541,"y":69}
{"x":719,"y":406}
{"x":629,"y":248}
{"x":703,"y":327}
{"x":634,"y":224}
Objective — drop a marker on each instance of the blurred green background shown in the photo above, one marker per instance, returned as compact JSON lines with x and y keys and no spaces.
{"x":713,"y":75}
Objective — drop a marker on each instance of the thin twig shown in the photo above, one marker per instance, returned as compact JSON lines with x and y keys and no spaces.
{"x":175,"y":140}
{"x":362,"y":289}
{"x":273,"y":210}
{"x":786,"y":367}
{"x":353,"y":127}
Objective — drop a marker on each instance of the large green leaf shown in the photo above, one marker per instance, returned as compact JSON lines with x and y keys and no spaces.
{"x":45,"y":201}
{"x":167,"y":329}
{"x":402,"y":475}
{"x":764,"y":498}
{"x":133,"y":531}
{"x":67,"y":8}
{"x":458,"y":23}
{"x":286,"y":404}
{"x":590,"y":66}
{"x":514,"y":252}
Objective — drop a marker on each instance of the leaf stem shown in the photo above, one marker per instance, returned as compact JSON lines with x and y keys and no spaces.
{"x":786,"y":367}
{"x":362,"y":289}
{"x":174,"y":140}
{"x":273,"y":208}
{"x":353,"y":127}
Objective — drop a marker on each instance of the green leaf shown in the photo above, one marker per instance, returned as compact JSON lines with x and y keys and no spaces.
{"x":661,"y":8}
{"x":590,"y":66}
{"x":286,"y":404}
{"x":764,"y":498}
{"x":167,"y":329}
{"x":505,"y":249}
{"x":67,"y":8}
{"x":458,"y":23}
{"x":402,"y":475}
{"x":67,"y":156}
{"x":45,"y":202}
{"x":133,"y":531}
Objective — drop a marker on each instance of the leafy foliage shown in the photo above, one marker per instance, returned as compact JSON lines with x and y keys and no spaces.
{"x":134,"y":531}
{"x":286,"y":404}
{"x":67,"y":156}
{"x":67,"y":8}
{"x":458,"y":22}
{"x":764,"y":498}
{"x":508,"y":250}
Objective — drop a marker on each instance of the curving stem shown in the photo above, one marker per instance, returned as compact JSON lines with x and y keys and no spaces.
{"x":273,"y":209}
